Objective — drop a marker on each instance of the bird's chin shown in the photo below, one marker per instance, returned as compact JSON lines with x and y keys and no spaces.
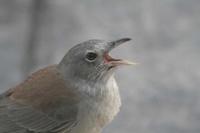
{"x":107,"y":73}
{"x":111,"y":70}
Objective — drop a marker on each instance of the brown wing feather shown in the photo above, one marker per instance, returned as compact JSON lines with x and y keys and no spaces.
{"x":42,"y":103}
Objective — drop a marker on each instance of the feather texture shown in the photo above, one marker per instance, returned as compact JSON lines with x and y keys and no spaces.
{"x":41,"y":104}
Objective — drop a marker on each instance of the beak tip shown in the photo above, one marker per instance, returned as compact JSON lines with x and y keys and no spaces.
{"x":123,"y":40}
{"x":130,"y":63}
{"x":120,"y":41}
{"x":127,"y":39}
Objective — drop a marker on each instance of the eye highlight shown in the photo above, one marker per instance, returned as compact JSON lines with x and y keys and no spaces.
{"x":91,"y":56}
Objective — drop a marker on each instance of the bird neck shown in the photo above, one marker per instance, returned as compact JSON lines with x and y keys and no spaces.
{"x":85,"y":86}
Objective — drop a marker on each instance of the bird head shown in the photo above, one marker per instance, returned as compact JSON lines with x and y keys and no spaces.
{"x":91,"y":61}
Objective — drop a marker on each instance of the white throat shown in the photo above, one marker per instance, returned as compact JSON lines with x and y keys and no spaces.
{"x":96,"y":112}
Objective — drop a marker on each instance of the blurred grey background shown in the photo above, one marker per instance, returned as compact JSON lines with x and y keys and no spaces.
{"x":161,"y":95}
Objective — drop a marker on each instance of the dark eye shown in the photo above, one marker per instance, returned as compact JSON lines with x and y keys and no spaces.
{"x":91,"y":56}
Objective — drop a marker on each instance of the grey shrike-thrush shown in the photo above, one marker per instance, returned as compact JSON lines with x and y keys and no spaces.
{"x":78,"y":95}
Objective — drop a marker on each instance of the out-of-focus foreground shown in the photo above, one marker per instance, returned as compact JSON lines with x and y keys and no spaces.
{"x":161,"y":95}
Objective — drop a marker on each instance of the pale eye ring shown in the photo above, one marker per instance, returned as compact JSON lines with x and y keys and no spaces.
{"x":91,"y":56}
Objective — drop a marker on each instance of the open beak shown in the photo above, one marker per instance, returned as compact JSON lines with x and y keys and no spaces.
{"x":113,"y":61}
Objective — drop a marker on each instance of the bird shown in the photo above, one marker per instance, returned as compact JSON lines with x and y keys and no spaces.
{"x":77,"y":95}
